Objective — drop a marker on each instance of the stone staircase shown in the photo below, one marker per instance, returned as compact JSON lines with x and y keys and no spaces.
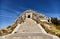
{"x":29,"y":30}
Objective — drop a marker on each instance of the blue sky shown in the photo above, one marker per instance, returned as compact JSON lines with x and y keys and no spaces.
{"x":11,"y":9}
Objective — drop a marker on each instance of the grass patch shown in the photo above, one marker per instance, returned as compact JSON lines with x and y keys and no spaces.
{"x":55,"y":30}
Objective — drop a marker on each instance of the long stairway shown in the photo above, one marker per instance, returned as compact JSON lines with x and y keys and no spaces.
{"x":29,"y":30}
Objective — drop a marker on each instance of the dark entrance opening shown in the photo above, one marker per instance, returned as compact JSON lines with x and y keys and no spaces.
{"x":28,"y":16}
{"x":48,"y":20}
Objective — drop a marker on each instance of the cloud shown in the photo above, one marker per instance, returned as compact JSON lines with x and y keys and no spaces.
{"x":13,"y":12}
{"x":10,"y":10}
{"x":8,"y":16}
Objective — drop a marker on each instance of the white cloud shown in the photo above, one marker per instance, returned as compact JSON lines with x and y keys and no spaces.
{"x":8,"y":16}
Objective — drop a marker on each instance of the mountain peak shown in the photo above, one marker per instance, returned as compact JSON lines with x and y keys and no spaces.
{"x":33,"y":15}
{"x":29,"y":11}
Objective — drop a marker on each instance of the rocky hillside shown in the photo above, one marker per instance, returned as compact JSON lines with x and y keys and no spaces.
{"x":35,"y":16}
{"x":51,"y":29}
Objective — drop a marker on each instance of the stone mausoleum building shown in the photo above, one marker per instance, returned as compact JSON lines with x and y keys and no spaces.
{"x":28,"y":28}
{"x":34,"y":15}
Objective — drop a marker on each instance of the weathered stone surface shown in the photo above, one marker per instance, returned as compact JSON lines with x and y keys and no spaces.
{"x":29,"y":26}
{"x":29,"y":29}
{"x":29,"y":36}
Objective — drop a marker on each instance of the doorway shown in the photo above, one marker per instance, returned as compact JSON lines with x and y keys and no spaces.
{"x":28,"y":16}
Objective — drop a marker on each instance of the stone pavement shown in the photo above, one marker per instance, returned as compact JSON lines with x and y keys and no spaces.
{"x":29,"y":26}
{"x":29,"y":30}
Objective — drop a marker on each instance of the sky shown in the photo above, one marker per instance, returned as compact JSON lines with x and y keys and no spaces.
{"x":11,"y":9}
